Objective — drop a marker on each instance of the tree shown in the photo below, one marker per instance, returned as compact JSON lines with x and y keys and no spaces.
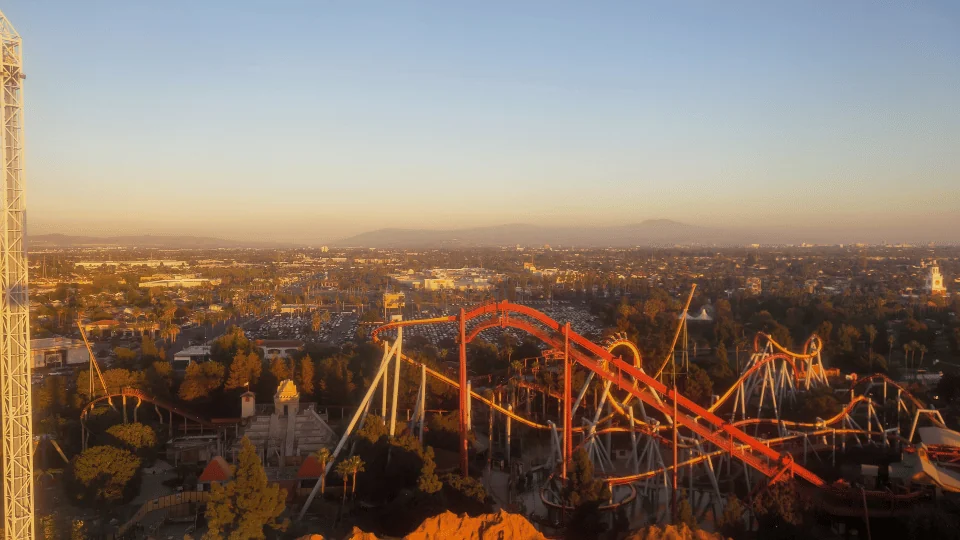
{"x":125,"y":356}
{"x":780,"y":509}
{"x":279,"y":368}
{"x":730,"y":522}
{"x":581,"y":486}
{"x":137,"y":436}
{"x":245,"y":370}
{"x":51,"y":398}
{"x":159,"y":378}
{"x":699,"y":386}
{"x":428,"y":482}
{"x":106,"y":475}
{"x":685,"y":514}
{"x":923,"y":351}
{"x":353,"y":465}
{"x":226,"y":346}
{"x":343,"y":469}
{"x":201,"y":379}
{"x":323,"y":457}
{"x":148,"y":348}
{"x":115,"y":380}
{"x":871,"y":331}
{"x":244,"y":507}
{"x":305,"y":375}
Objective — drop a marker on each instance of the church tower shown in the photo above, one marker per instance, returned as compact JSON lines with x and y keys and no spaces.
{"x":934,"y":284}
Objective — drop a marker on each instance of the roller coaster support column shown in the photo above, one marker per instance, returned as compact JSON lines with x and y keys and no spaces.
{"x":396,"y":380}
{"x":464,"y":395}
{"x":364,"y":404}
{"x":567,"y":416}
{"x":509,"y":408}
{"x":423,"y":399}
{"x":493,"y":399}
{"x":633,"y":443}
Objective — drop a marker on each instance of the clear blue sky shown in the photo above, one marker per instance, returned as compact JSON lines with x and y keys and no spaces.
{"x":312,"y":120}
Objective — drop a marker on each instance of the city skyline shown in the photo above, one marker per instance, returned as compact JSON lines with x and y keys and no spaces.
{"x":834,"y":118}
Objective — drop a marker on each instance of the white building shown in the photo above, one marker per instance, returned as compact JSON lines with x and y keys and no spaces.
{"x":57,"y":352}
{"x":190,"y":355}
{"x":152,"y":263}
{"x":186,"y":282}
{"x":934,"y":284}
{"x":283,"y":348}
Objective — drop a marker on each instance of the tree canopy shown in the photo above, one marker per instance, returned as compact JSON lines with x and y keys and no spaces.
{"x":244,"y":507}
{"x":105,"y":474}
{"x":201,"y":379}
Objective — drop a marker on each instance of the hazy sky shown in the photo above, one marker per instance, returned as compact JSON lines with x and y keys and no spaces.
{"x":309,"y":121}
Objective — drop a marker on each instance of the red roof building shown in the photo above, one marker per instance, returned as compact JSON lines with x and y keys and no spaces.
{"x":218,"y":470}
{"x":310,"y":468}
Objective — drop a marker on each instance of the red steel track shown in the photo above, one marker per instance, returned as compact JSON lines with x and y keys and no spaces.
{"x":724,"y":435}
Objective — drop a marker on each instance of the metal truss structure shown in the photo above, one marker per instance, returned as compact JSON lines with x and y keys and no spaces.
{"x":710,"y":445}
{"x":17,"y":420}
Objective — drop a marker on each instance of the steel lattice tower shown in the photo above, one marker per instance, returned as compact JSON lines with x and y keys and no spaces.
{"x":17,"y":421}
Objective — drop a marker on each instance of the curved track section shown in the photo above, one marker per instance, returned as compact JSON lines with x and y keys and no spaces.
{"x":690,"y":416}
{"x":139,"y":395}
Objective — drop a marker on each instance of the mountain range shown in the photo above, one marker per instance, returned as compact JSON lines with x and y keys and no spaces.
{"x":655,"y":232}
{"x":53,"y":241}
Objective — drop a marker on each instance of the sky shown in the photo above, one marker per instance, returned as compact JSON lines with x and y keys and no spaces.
{"x":310,"y":121}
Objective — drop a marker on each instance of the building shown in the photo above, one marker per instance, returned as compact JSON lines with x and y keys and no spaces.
{"x":190,"y":355}
{"x":934,"y":284}
{"x":754,"y":285}
{"x":283,"y":348}
{"x":185,"y":282}
{"x":217,"y":471}
{"x":152,"y":263}
{"x":298,"y":308}
{"x":57,"y":352}
{"x":289,"y":432}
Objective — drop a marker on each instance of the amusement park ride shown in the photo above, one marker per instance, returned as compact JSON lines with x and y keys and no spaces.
{"x":740,"y":437}
{"x":675,"y":445}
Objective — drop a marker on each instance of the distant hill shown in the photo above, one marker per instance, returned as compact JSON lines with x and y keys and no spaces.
{"x":656,"y":232}
{"x":144,"y":241}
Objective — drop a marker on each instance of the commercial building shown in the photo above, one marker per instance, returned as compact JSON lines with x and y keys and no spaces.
{"x":283,"y":348}
{"x":151,"y":263}
{"x":185,"y":282}
{"x":190,"y":355}
{"x":57,"y":352}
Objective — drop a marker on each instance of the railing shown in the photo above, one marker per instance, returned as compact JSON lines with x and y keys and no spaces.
{"x":270,"y":408}
{"x":160,"y":503}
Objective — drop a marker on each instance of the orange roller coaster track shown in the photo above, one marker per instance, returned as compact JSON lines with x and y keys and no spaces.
{"x":623,"y":375}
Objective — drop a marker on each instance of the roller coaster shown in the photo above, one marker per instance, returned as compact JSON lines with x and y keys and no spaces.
{"x":740,"y":438}
{"x":710,"y":444}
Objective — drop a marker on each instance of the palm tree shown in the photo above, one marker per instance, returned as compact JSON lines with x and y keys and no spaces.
{"x":923,"y":351}
{"x":890,"y":341}
{"x":914,"y":347}
{"x":343,"y":469}
{"x":906,"y":354}
{"x":354,"y":465}
{"x":871,"y":331}
{"x":323,"y":456}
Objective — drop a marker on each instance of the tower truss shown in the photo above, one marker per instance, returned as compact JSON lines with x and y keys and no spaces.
{"x":17,"y":421}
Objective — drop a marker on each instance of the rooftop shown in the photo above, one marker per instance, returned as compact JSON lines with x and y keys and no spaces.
{"x":218,"y":470}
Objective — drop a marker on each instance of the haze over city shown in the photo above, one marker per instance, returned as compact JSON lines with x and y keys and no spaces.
{"x":375,"y":270}
{"x":314,"y":122}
